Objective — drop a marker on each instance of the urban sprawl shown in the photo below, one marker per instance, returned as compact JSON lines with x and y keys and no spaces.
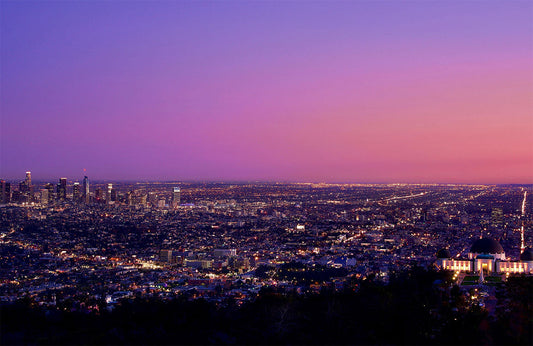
{"x":93,"y":244}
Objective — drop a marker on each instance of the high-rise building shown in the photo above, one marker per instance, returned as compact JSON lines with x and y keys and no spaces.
{"x":50,"y":188}
{"x":176,"y":197}
{"x":44,"y":197}
{"x":62,"y":189}
{"x":5,"y":192}
{"x":17,"y":196}
{"x":86,"y":194}
{"x":76,"y":192}
{"x":23,"y":193}
{"x":109,"y":192}
{"x":2,"y":191}
{"x":28,"y":180}
{"x":25,"y":189}
{"x":98,"y":196}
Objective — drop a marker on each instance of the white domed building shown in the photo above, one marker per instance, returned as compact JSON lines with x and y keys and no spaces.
{"x":487,"y":255}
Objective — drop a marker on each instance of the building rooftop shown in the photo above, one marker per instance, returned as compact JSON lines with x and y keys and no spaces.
{"x":486,"y":246}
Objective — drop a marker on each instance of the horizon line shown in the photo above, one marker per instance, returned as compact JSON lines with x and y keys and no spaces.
{"x":268,"y":181}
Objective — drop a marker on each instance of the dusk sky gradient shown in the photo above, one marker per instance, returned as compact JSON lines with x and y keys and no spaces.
{"x":322,"y":91}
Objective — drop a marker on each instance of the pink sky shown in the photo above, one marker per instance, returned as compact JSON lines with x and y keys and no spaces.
{"x":325,"y":91}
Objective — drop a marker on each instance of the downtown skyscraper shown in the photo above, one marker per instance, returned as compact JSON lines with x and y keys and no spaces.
{"x":86,"y":193}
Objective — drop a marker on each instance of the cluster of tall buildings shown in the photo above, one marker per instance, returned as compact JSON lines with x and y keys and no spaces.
{"x":28,"y":193}
{"x":48,"y":194}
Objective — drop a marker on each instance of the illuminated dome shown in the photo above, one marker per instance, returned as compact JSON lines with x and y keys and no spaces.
{"x":527,"y":255}
{"x":486,"y":246}
{"x":443,"y":253}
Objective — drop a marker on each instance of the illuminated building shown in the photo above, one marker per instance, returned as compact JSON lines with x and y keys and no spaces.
{"x":98,"y":196}
{"x":165,"y":256}
{"x":108,"y":194}
{"x":25,"y":189}
{"x":225,"y":252}
{"x":204,"y":264}
{"x":76,"y":191}
{"x":486,"y":255}
{"x":86,"y":195}
{"x":44,"y":197}
{"x":62,"y":189}
{"x":5,"y":192}
{"x":50,"y":188}
{"x":176,"y":197}
{"x":27,"y":181}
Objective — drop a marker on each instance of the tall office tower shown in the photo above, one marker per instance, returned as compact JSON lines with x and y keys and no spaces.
{"x":26,"y":189}
{"x":5,"y":192}
{"x":22,"y":187}
{"x":2,"y":191}
{"x":98,"y":196}
{"x":58,"y":191}
{"x":62,"y":189}
{"x":22,"y":194}
{"x":28,"y":180}
{"x":76,"y":192}
{"x":86,"y":194}
{"x":50,"y":188}
{"x":108,"y":194}
{"x":176,"y":197}
{"x":114,"y":195}
{"x":44,"y":197}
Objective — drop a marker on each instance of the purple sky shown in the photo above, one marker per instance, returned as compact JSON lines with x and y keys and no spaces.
{"x":351,"y":91}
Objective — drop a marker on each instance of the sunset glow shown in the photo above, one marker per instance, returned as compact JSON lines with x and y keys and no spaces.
{"x":358,"y":91}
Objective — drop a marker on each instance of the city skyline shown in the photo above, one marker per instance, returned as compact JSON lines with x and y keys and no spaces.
{"x":80,"y":179}
{"x":353,"y":92}
{"x":458,"y":251}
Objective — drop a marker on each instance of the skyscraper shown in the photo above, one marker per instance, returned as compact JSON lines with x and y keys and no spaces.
{"x":108,"y":194}
{"x":62,"y":189}
{"x":25,"y":189}
{"x":114,"y":195}
{"x":50,"y":188}
{"x":98,"y":196}
{"x":86,"y":194}
{"x":5,"y":192}
{"x":23,"y":193}
{"x":176,"y":197}
{"x":44,"y":197}
{"x":76,"y":192}
{"x":28,"y":180}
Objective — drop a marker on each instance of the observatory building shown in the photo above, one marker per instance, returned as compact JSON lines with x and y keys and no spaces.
{"x":487,"y":255}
